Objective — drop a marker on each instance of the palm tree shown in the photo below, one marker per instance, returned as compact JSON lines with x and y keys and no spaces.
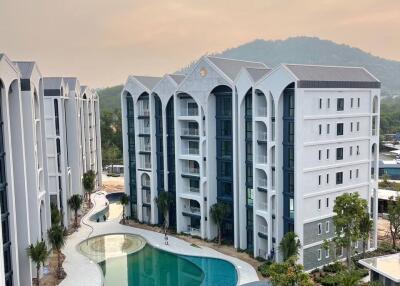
{"x":164,"y":201}
{"x":88,"y":183}
{"x":124,"y":201}
{"x":38,"y":254}
{"x":55,"y":215}
{"x":219,"y":212}
{"x":75,"y":203}
{"x":57,"y":237}
{"x":365,"y":230}
{"x":289,"y":245}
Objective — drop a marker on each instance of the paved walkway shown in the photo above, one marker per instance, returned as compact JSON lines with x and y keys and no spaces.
{"x":81,"y":271}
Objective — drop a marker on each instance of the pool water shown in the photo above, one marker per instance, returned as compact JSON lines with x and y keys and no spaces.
{"x":112,"y":211}
{"x":150,"y":266}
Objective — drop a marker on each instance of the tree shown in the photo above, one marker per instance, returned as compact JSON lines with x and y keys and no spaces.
{"x":394,"y":218}
{"x":365,"y":226}
{"x":75,"y":203}
{"x":124,"y":201}
{"x":57,"y":237}
{"x":219,"y":212}
{"x":349,"y":209}
{"x":164,"y":202}
{"x":38,"y":254}
{"x":55,"y":215}
{"x":289,"y":245}
{"x":289,"y":273}
{"x":88,"y":183}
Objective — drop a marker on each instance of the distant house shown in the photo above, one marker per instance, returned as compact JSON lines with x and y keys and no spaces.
{"x":385,"y":269}
{"x":391,"y":168}
{"x":383,"y":198}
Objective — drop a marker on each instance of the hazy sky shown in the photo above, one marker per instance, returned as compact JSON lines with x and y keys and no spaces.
{"x":103,"y":41}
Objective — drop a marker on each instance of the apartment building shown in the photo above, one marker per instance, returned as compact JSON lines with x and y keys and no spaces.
{"x":277,"y":146}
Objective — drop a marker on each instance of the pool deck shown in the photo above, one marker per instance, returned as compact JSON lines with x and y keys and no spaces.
{"x":81,"y":271}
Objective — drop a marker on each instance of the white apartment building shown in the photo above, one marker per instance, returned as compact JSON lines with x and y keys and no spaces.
{"x":277,"y":146}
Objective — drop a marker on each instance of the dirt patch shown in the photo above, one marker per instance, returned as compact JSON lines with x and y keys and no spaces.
{"x":112,"y":184}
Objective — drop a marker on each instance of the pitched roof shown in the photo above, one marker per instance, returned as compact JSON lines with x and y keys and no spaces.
{"x":71,"y":81}
{"x":178,"y":78}
{"x":148,"y":81}
{"x":330,"y":73}
{"x":25,"y":69}
{"x":257,"y":73}
{"x":52,"y":82}
{"x":232,"y":67}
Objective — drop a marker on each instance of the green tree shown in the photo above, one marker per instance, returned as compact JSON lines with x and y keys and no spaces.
{"x":349,"y":209}
{"x":75,"y":203}
{"x":394,"y":219}
{"x":124,"y":201}
{"x":38,"y":253}
{"x":219,"y":212}
{"x":164,"y":202}
{"x":289,"y":273}
{"x":289,"y":245}
{"x":365,"y":226}
{"x":57,"y":237}
{"x":55,"y":215}
{"x":88,"y":183}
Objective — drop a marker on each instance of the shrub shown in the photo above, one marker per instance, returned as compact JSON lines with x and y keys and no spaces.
{"x":264,"y":268}
{"x":334,"y":267}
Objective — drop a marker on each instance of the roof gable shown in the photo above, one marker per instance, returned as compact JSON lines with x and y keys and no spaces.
{"x":148,"y":81}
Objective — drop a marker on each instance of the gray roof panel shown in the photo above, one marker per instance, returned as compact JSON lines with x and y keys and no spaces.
{"x":178,"y":78}
{"x":232,"y":67}
{"x":52,"y":82}
{"x":148,"y":81}
{"x":71,"y":81}
{"x":257,"y":73}
{"x":26,"y":69}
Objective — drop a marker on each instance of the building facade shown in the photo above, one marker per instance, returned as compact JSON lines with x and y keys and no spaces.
{"x":276,"y":146}
{"x":39,"y":159}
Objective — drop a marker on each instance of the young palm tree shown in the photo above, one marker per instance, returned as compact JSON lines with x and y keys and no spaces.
{"x":365,"y":230}
{"x":164,"y":201}
{"x":75,"y":203}
{"x":289,"y":245}
{"x":38,"y":254}
{"x":57,"y":237}
{"x":219,"y":212}
{"x":124,"y":201}
{"x":88,"y":183}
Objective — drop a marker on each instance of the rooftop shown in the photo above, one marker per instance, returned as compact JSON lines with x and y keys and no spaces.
{"x":148,"y":81}
{"x":257,"y":73}
{"x":388,"y":265}
{"x":178,"y":78}
{"x":52,"y":82}
{"x":25,"y":69}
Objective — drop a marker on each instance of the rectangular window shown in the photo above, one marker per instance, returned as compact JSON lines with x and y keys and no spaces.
{"x":351,"y":174}
{"x":340,"y":104}
{"x":358,"y":102}
{"x":351,"y":126}
{"x":339,"y":178}
{"x":328,"y":127}
{"x":351,"y":102}
{"x":339,"y":129}
{"x":319,"y":154}
{"x":319,"y":204}
{"x":358,"y":126}
{"x":339,"y":153}
{"x":357,"y":171}
{"x":319,"y":254}
{"x":328,"y":103}
{"x":327,"y":202}
{"x":319,"y":229}
{"x":327,"y":252}
{"x":319,"y":180}
{"x":358,"y":150}
{"x":327,"y":178}
{"x":327,"y":227}
{"x":339,"y":251}
{"x":356,"y":244}
{"x":327,"y":153}
{"x":351,"y":150}
{"x":320,"y":103}
{"x":320,"y":129}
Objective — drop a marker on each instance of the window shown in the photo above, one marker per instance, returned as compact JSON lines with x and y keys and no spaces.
{"x":319,"y":229}
{"x":351,"y":150}
{"x":358,"y":150}
{"x":328,"y":103}
{"x":339,"y":129}
{"x":351,"y":174}
{"x":319,"y":180}
{"x":319,"y":204}
{"x":327,"y":202}
{"x":320,"y":129}
{"x":357,"y":171}
{"x":319,"y":254}
{"x":327,"y":153}
{"x":358,"y":102}
{"x":327,"y":252}
{"x":358,"y":126}
{"x":327,"y":225}
{"x":328,"y":128}
{"x":351,"y":102}
{"x":319,"y":154}
{"x":339,"y":153}
{"x":356,"y":244}
{"x":339,"y":251}
{"x":327,"y":178}
{"x":339,"y":178}
{"x":340,"y":104}
{"x":351,"y":126}
{"x":320,"y":103}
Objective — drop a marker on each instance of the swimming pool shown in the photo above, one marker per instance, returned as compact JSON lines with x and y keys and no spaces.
{"x":112,"y":211}
{"x":126,"y":260}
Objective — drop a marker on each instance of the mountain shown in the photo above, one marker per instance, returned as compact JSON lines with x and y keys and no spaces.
{"x":302,"y":50}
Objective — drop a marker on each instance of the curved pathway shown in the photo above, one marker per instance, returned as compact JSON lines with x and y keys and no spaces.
{"x":81,"y":271}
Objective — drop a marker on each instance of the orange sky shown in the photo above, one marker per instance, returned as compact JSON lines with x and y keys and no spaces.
{"x":102,"y":41}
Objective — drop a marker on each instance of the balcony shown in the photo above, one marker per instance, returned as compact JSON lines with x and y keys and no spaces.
{"x":144,"y":112}
{"x":262,"y":136}
{"x":262,"y":110}
{"x":193,"y":190}
{"x":263,"y":206}
{"x":191,"y":210}
{"x":191,"y":111}
{"x":145,"y":165}
{"x":146,"y":198}
{"x":145,"y":148}
{"x":190,"y":132}
{"x":193,"y":231}
{"x":192,"y":171}
{"x":190,"y":151}
{"x":262,"y":159}
{"x":263,"y":231}
{"x":144,"y":130}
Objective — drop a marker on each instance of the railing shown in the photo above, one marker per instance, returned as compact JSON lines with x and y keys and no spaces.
{"x":262,"y":253}
{"x":194,"y":190}
{"x":145,"y":147}
{"x":146,"y":165}
{"x":374,"y":132}
{"x":144,"y":112}
{"x":146,"y":198}
{"x":262,"y":159}
{"x":263,"y":182}
{"x":263,"y":136}
{"x":191,"y":170}
{"x":144,"y":130}
{"x":263,"y":206}
{"x":190,"y":112}
{"x":146,"y":183}
{"x":190,"y":131}
{"x":263,"y":229}
{"x":262,"y":111}
{"x":191,"y":209}
{"x":191,"y":151}
{"x":194,"y":231}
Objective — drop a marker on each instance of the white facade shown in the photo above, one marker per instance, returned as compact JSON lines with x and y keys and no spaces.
{"x":265,"y":142}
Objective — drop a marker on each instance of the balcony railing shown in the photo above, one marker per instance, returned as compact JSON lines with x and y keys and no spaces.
{"x":263,"y":229}
{"x":194,"y":231}
{"x":145,"y":147}
{"x":189,"y":112}
{"x":263,"y":136}
{"x":144,"y":130}
{"x":262,"y":182}
{"x":191,"y":209}
{"x":191,"y":170}
{"x":262,"y":159}
{"x":190,"y":131}
{"x":146,"y":198}
{"x":263,"y":206}
{"x":191,"y":151}
{"x":145,"y":165}
{"x":262,"y":111}
{"x":194,"y":190}
{"x":144,"y":112}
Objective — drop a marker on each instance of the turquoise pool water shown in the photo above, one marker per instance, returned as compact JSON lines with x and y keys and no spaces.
{"x":150,"y":266}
